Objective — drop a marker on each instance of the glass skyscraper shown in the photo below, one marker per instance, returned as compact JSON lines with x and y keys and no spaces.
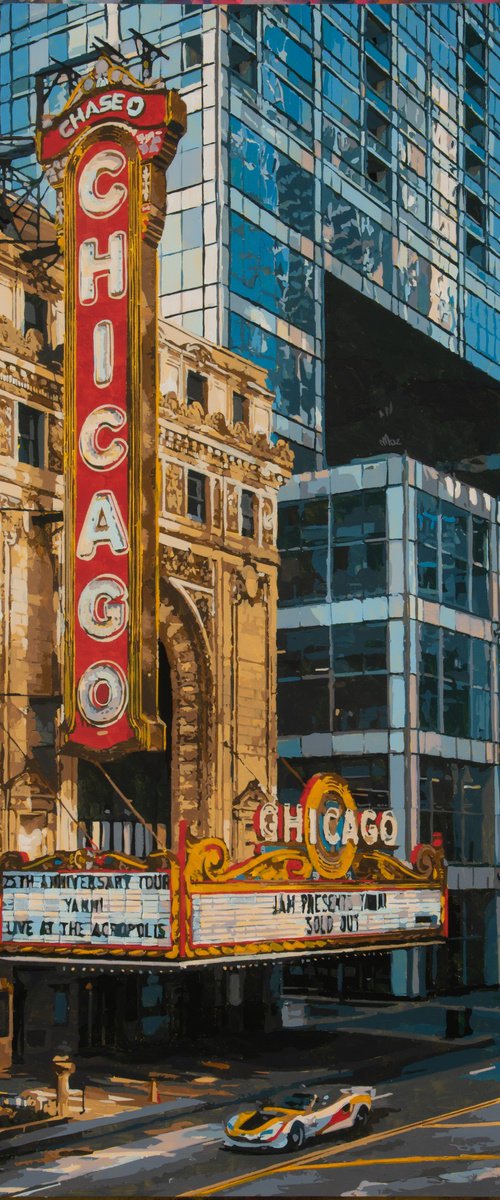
{"x":335,"y":199}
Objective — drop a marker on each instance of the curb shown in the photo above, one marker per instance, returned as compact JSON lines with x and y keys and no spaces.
{"x":30,"y":1127}
{"x":101,"y":1125}
{"x":434,"y":1039}
{"x":184,"y":1106}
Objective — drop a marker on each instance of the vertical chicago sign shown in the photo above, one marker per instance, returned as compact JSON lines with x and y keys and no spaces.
{"x":106,"y":154}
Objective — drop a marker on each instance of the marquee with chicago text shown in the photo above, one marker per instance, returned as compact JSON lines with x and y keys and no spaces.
{"x":106,"y":155}
{"x":337,"y":892}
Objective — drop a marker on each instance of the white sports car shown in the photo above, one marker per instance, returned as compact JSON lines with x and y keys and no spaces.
{"x":298,"y":1118}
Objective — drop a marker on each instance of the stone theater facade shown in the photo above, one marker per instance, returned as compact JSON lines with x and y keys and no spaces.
{"x":219,"y":475}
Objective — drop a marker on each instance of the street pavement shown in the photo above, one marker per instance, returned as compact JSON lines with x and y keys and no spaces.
{"x":434,"y":1133}
{"x":333,"y":1034}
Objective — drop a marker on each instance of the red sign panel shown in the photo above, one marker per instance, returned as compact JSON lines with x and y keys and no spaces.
{"x":102,"y":543}
{"x":138,"y":112}
{"x":107,"y":153}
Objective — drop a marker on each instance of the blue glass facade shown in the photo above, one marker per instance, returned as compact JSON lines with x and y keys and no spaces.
{"x":360,"y":140}
{"x":388,"y":663}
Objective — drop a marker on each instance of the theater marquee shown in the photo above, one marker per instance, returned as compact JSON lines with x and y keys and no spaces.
{"x":196,"y":906}
{"x":106,"y":906}
{"x":106,"y":155}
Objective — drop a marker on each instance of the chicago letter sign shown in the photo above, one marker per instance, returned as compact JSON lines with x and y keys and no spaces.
{"x":107,"y":153}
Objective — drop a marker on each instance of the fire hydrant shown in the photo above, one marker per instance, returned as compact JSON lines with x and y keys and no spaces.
{"x":63,"y":1068}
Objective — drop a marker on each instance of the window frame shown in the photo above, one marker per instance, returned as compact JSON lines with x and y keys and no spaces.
{"x":239,"y":399}
{"x":302,"y":677}
{"x":40,"y":435}
{"x":443,"y":639}
{"x":187,"y":41}
{"x":192,"y":374}
{"x":437,"y":594}
{"x":435,"y":817}
{"x":235,"y":49}
{"x":41,"y":309}
{"x":248,"y":499}
{"x":319,"y":548}
{"x":364,"y":540}
{"x":199,"y":478}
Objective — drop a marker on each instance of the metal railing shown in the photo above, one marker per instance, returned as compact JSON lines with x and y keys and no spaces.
{"x":121,"y":837}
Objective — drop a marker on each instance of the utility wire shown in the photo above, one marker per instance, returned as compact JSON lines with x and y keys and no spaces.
{"x":90,"y":842}
{"x":48,"y":785}
{"x":291,"y":769}
{"x":126,"y":801}
{"x":281,"y":759}
{"x":238,"y":756}
{"x":284,"y":761}
{"x":130,"y":806}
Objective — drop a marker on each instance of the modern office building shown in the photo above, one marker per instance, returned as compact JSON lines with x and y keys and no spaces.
{"x":331,"y":209}
{"x":388,"y":674}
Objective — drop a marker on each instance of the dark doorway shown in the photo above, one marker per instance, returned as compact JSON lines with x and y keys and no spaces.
{"x":97,"y":1015}
{"x":18,"y":1020}
{"x":391,"y":389}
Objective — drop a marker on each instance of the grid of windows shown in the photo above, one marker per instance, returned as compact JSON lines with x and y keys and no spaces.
{"x":283,"y":278}
{"x":339,"y":686}
{"x":377,"y":63}
{"x":452,"y":555}
{"x":456,"y":800}
{"x":273,"y":180}
{"x":475,"y":122}
{"x":354,"y":525}
{"x":303,"y":543}
{"x":454,"y":683}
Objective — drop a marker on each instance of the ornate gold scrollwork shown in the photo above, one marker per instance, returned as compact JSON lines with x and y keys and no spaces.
{"x":208,"y":862}
{"x":87,"y":860}
{"x":374,"y":866}
{"x":430,"y":863}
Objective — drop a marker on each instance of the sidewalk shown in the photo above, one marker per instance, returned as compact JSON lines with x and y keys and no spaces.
{"x":410,"y":1018}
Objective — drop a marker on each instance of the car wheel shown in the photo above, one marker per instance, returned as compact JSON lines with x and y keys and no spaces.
{"x":297,"y":1136}
{"x":361,"y":1119}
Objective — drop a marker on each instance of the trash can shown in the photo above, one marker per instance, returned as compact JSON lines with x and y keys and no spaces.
{"x":458,"y":1023}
